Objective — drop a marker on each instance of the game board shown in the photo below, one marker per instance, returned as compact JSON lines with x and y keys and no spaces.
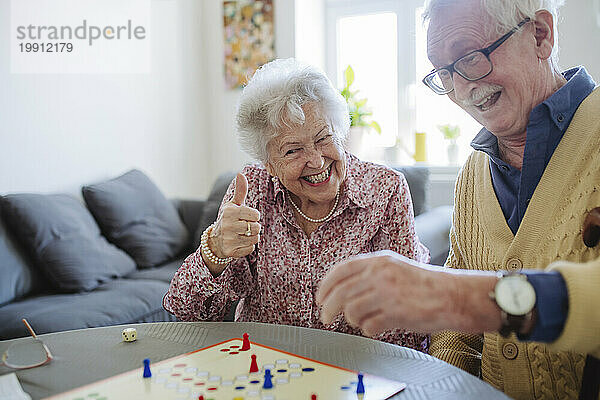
{"x":221,"y":372}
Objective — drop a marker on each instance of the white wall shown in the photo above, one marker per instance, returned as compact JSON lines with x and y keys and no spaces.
{"x":225,"y":154}
{"x":58,"y":132}
{"x":579,"y":36}
{"x":310,"y":32}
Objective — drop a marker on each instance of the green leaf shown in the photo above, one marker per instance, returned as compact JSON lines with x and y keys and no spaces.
{"x":450,"y":131}
{"x":375,"y":126}
{"x":346,"y":94}
{"x":357,"y":108}
{"x":349,"y":76}
{"x":360,"y":103}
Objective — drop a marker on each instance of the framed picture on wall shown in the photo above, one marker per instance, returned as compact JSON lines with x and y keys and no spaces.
{"x":249,"y":38}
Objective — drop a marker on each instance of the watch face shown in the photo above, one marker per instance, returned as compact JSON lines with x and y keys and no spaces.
{"x":515,"y":295}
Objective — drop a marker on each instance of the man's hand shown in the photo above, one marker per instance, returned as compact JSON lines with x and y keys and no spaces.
{"x":385,"y":290}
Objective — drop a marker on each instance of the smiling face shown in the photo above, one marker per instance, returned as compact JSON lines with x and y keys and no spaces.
{"x":307,"y":160}
{"x":503,"y":100}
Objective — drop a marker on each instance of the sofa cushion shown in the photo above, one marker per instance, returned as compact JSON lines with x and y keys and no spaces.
{"x":134,"y":214}
{"x":162,"y":273}
{"x":190,"y":212}
{"x":64,"y":240}
{"x":17,"y":275}
{"x":212,"y":204}
{"x":433,"y":229}
{"x":418,"y":183}
{"x":119,"y":301}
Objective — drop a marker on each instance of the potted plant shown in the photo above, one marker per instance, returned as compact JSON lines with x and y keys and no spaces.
{"x":451,"y":133}
{"x":359,"y":113}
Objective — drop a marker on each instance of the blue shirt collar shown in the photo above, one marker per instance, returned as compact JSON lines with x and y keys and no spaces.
{"x":563,"y":104}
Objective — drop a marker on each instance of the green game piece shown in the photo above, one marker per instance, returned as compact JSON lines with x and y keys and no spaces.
{"x":93,"y":394}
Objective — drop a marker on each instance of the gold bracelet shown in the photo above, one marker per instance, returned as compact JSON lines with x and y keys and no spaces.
{"x":207,"y":252}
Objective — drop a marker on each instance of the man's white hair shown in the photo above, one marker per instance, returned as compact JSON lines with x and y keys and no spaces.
{"x":274,"y":97}
{"x":508,"y":14}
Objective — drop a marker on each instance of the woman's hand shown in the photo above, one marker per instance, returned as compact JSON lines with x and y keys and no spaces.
{"x":238,"y":231}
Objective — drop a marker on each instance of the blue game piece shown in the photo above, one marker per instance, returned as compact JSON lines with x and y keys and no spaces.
{"x":268,"y":384}
{"x":147,"y":373}
{"x":360,"y":387}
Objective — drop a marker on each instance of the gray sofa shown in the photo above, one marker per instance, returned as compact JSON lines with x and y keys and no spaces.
{"x":65,"y":264}
{"x":61,"y":268}
{"x":432,"y":225}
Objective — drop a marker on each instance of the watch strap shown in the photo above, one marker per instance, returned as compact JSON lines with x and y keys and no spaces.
{"x":513,"y":323}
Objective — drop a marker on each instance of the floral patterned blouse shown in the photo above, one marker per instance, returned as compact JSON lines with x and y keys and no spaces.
{"x":277,"y":282}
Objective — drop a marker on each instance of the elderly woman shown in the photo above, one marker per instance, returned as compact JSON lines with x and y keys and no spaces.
{"x":284,"y":223}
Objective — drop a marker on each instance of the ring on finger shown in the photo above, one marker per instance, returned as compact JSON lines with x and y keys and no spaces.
{"x":248,"y":230}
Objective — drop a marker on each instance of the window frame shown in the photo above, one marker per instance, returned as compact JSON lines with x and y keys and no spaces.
{"x":406,"y":73}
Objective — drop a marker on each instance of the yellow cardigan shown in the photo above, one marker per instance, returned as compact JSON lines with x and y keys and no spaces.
{"x":549,"y":237}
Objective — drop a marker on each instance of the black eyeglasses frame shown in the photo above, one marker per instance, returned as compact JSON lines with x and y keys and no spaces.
{"x":486,"y":51}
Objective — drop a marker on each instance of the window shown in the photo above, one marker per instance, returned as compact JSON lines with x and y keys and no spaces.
{"x":433,"y":110}
{"x":375,"y":65}
{"x":385,"y":43}
{"x":371,"y":36}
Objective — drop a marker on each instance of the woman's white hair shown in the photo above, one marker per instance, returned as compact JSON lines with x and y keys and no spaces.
{"x":274,"y":97}
{"x":508,"y":14}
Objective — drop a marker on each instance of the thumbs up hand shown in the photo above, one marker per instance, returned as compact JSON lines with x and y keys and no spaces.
{"x":238,"y":231}
{"x":241,"y":190}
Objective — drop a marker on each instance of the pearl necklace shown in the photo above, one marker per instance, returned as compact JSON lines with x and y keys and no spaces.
{"x":325,"y":218}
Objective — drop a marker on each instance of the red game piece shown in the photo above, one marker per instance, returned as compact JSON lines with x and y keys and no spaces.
{"x":253,"y":364}
{"x":313,"y":397}
{"x":200,"y":397}
{"x":246,"y":343}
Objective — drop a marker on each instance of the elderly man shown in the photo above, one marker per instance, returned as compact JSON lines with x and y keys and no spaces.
{"x":525,"y":200}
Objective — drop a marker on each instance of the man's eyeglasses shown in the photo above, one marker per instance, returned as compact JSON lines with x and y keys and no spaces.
{"x":472,"y":66}
{"x":27,"y":353}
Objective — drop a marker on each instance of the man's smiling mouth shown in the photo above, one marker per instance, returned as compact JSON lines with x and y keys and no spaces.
{"x":488,"y":102}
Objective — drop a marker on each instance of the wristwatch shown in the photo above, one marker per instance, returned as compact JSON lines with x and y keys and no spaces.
{"x":516,"y":298}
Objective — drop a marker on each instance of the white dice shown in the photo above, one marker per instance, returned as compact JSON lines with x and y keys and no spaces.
{"x":129,"y":335}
